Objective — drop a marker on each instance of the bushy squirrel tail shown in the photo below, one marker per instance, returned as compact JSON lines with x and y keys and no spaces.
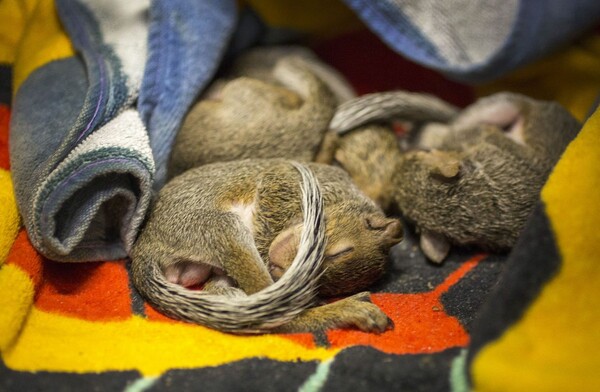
{"x":262,"y":311}
{"x":400,"y":105}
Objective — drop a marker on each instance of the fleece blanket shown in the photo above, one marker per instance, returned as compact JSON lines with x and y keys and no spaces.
{"x":98,"y":91}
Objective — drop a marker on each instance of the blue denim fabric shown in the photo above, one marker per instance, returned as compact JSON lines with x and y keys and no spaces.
{"x":540,"y":26}
{"x":187,"y":41}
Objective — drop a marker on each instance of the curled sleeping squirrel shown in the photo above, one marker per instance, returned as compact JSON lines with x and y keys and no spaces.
{"x":273,"y":103}
{"x":469,"y":177}
{"x":235,"y":229}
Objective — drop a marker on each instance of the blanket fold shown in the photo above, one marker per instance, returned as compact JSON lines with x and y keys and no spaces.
{"x":94,"y":110}
{"x":187,"y":41}
{"x":81,"y":160}
{"x":477,"y":41}
{"x":85,"y":199}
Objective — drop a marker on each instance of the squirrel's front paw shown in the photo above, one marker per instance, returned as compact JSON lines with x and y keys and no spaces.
{"x":358,"y":311}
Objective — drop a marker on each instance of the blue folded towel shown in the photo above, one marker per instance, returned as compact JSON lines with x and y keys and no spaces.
{"x":83,"y":157}
{"x":477,"y":41}
{"x":186,"y":43}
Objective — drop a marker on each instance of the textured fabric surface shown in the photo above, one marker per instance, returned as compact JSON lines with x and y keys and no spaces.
{"x":72,"y":128}
{"x":522,"y":321}
{"x":551,"y":294}
{"x":477,"y":41}
{"x":159,"y":56}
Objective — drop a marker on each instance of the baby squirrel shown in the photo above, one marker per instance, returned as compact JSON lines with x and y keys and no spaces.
{"x":235,"y":228}
{"x":277,"y":102}
{"x":470,"y":177}
{"x":273,"y":102}
{"x":369,"y":153}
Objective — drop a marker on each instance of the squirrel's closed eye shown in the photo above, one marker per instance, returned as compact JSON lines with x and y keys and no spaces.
{"x":339,"y":253}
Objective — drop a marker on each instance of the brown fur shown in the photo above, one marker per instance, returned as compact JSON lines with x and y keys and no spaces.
{"x":357,"y":230}
{"x":271,"y":104}
{"x":277,"y":102}
{"x":201,"y":223}
{"x":482,"y":178}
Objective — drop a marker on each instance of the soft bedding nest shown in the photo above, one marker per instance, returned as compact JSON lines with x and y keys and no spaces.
{"x":92,"y":95}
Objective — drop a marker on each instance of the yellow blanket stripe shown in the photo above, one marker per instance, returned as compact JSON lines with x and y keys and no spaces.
{"x":14,"y":14}
{"x":16,"y":298}
{"x":11,"y":29}
{"x":16,"y":289}
{"x":43,"y":40}
{"x":59,"y":343}
{"x":554,"y":347}
{"x":321,"y":18}
{"x":569,"y":77}
{"x":9,"y":215}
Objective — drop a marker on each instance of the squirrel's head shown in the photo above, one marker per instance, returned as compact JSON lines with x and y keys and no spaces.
{"x":358,"y":245}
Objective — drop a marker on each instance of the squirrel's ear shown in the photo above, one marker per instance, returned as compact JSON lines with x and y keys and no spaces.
{"x":434,"y":245}
{"x":441,"y":163}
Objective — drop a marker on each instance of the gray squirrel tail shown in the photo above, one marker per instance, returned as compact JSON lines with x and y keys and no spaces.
{"x":262,"y":311}
{"x":401,"y":105}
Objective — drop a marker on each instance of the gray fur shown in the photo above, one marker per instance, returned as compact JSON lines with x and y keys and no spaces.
{"x":378,"y":107}
{"x":275,"y":106}
{"x":480,"y":182}
{"x":274,"y":305}
{"x":192,"y":223}
{"x":273,"y":102}
{"x":259,"y":63}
